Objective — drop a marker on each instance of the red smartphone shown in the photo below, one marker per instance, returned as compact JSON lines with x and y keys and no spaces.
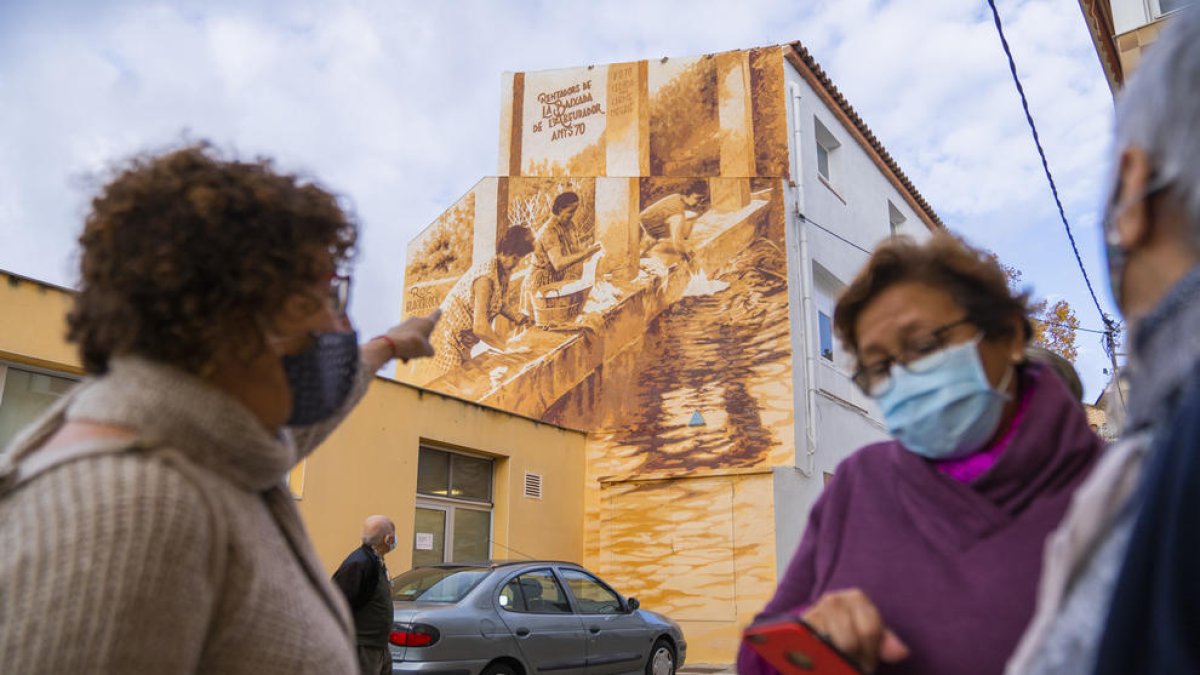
{"x":794,"y":648}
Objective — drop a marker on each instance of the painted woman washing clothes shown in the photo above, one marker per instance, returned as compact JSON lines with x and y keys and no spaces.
{"x":476,"y":300}
{"x":923,"y":553}
{"x":558,"y":247}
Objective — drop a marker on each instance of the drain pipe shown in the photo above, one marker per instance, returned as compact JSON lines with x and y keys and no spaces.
{"x":808,"y":466}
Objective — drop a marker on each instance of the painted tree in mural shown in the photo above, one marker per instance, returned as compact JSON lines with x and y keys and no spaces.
{"x":445,"y":249}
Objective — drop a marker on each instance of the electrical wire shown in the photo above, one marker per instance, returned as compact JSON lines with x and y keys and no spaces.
{"x":868,"y":252}
{"x":1037,"y":141}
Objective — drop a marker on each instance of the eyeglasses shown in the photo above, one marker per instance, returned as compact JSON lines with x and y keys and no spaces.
{"x":875,"y":379}
{"x":339,"y":291}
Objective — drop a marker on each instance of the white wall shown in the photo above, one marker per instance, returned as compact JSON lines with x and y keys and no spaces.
{"x":1131,"y":14}
{"x":841,"y":216}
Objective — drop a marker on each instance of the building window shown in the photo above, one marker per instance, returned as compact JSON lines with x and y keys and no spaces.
{"x":1168,"y":6}
{"x":453,"y":519}
{"x":827,"y":147}
{"x":825,"y":333}
{"x":25,"y":395}
{"x":895,"y":219}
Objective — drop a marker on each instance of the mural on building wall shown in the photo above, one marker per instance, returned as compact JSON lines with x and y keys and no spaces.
{"x":715,"y":115}
{"x":652,"y":312}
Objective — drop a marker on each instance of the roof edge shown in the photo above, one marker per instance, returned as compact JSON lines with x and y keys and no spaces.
{"x":803,"y":60}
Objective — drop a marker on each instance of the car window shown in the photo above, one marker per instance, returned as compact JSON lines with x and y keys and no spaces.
{"x":536,"y":592}
{"x":436,"y":584}
{"x":592,"y":596}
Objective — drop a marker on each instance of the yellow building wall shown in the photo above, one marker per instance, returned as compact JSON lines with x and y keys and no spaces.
{"x":33,"y":325}
{"x":370,"y":466}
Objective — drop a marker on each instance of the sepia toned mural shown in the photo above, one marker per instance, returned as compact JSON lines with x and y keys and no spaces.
{"x":648,"y":306}
{"x":714,"y":115}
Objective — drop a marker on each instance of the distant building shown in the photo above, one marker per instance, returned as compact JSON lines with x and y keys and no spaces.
{"x":1122,"y":29}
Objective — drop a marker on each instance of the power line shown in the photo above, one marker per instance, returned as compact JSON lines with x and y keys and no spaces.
{"x":1012,"y":67}
{"x":868,"y":252}
{"x":835,"y":234}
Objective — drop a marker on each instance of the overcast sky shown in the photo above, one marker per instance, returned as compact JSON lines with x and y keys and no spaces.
{"x":395,"y":104}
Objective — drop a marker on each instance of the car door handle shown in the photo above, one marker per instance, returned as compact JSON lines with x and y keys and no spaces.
{"x":594,"y":629}
{"x":522,"y":632}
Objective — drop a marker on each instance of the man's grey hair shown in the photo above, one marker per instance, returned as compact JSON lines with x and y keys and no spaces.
{"x":1159,"y":111}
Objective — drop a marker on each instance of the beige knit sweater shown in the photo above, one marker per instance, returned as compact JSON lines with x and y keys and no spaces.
{"x":183,"y":555}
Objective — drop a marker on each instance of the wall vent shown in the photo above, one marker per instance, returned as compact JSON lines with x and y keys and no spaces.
{"x":533,"y":485}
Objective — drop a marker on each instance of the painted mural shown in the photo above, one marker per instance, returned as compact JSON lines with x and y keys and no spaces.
{"x":714,"y":115}
{"x":651,"y":312}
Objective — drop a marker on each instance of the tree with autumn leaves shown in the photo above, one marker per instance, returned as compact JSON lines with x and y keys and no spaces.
{"x":1054,"y":325}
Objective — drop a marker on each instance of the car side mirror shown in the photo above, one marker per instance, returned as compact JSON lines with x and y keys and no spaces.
{"x":631,"y":604}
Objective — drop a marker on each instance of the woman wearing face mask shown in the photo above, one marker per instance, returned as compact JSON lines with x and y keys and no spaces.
{"x":145,"y":526}
{"x":923,"y":552}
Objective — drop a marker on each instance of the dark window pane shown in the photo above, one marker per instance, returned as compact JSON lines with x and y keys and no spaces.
{"x":471,"y":478}
{"x":823,"y":161}
{"x":25,"y":397}
{"x":472,"y":530}
{"x":825,"y":329}
{"x":592,"y":596}
{"x":535,"y":592}
{"x":433,"y":472}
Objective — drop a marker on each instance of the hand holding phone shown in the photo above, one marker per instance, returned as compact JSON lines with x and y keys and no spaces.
{"x":793,"y":647}
{"x":842,"y":623}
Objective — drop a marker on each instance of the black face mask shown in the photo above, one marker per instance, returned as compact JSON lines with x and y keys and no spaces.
{"x":321,"y":377}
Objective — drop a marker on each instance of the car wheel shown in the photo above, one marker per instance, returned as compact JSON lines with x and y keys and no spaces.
{"x":499,"y":669}
{"x":662,"y":659}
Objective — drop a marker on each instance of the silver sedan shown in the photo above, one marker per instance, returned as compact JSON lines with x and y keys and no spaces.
{"x":524,"y":618}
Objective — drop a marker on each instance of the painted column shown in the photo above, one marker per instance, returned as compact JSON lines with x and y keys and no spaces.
{"x":735,"y":113}
{"x":626,"y":136}
{"x":617,"y":227}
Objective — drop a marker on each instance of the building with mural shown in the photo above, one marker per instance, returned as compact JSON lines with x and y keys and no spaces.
{"x":692,"y":222}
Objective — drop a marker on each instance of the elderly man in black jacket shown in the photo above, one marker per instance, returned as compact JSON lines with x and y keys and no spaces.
{"x":363,"y":579}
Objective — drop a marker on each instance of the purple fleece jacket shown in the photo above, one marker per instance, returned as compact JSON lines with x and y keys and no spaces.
{"x":953,"y":567}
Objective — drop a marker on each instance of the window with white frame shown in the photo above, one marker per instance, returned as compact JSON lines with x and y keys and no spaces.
{"x":1163,"y":7}
{"x":827,"y":146}
{"x":453,"y":520}
{"x":828,"y":287}
{"x":25,"y":393}
{"x":895,"y":219}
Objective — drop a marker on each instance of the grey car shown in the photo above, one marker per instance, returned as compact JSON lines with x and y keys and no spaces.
{"x":523,"y":618}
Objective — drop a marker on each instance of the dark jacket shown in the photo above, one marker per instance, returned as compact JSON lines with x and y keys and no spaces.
{"x":362,"y":578}
{"x":1154,"y":620}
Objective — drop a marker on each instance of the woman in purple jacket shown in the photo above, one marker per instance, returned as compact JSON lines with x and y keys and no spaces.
{"x":923,"y":553}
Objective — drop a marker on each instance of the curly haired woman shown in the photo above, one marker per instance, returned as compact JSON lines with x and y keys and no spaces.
{"x":145,"y":526}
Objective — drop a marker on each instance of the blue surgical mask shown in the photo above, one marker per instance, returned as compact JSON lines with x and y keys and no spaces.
{"x":942,"y":406}
{"x":321,"y":377}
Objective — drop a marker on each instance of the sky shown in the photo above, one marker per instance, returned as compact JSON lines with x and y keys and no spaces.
{"x":395,"y":106}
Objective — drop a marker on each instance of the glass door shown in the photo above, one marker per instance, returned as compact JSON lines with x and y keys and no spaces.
{"x":429,"y":540}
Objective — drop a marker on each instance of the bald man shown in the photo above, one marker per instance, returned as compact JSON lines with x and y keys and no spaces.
{"x":364,"y":581}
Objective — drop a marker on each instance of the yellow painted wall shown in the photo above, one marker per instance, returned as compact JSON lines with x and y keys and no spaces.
{"x":33,"y":325}
{"x":370,"y":466}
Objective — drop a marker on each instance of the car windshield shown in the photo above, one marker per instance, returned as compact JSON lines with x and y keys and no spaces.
{"x":436,"y":584}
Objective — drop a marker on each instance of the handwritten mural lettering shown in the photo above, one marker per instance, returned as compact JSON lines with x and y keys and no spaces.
{"x":622,"y":87}
{"x":563,"y":109}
